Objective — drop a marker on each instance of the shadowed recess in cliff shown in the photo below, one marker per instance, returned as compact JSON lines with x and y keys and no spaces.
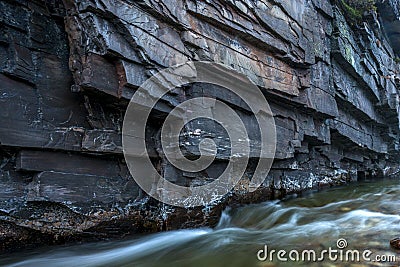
{"x":68,"y":70}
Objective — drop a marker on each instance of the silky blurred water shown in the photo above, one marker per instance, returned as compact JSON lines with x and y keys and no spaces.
{"x":366,"y":214}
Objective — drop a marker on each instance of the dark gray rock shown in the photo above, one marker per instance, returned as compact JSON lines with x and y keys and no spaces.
{"x":68,"y":70}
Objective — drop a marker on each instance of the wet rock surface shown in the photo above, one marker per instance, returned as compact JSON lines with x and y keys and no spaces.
{"x":68,"y":70}
{"x":395,"y":243}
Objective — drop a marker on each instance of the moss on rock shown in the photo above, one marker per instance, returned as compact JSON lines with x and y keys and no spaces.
{"x":356,"y":9}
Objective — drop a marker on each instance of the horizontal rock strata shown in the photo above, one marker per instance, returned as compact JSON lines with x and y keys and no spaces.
{"x":68,"y":70}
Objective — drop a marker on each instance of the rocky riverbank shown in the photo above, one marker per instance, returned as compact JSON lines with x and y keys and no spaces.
{"x":68,"y":70}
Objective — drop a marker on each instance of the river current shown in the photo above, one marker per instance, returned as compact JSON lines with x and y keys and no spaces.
{"x":347,"y":222}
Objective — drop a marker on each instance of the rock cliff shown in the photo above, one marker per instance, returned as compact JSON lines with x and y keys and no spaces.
{"x":69,"y":68}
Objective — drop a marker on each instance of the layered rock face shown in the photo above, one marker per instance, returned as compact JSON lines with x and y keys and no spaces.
{"x":68,"y":70}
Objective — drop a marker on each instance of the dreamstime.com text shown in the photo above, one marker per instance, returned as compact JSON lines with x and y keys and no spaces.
{"x":338,"y":254}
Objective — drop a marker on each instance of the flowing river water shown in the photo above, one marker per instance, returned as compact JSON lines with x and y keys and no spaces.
{"x":361,"y":218}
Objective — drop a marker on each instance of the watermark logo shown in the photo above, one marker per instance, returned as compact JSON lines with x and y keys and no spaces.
{"x":341,"y":243}
{"x":338,"y":254}
{"x":159,"y":86}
